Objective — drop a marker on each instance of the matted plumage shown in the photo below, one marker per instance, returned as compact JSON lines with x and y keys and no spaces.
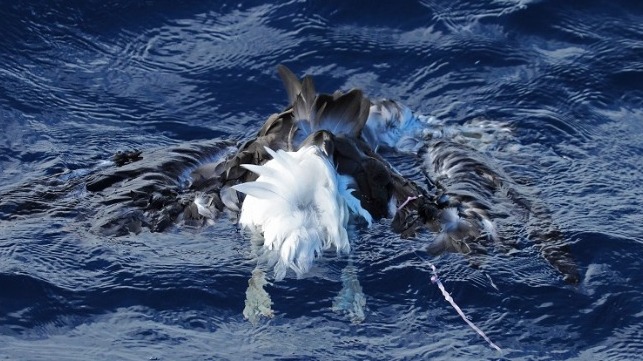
{"x":317,"y":163}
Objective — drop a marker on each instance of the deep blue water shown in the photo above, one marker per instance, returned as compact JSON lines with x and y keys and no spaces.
{"x":81,"y":80}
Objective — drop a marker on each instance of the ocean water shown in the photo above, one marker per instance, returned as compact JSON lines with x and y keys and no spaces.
{"x":553,"y":89}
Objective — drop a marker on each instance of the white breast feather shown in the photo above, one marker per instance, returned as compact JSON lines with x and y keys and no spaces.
{"x":301,"y":205}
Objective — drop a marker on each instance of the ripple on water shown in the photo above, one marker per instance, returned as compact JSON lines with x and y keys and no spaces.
{"x":82,"y":80}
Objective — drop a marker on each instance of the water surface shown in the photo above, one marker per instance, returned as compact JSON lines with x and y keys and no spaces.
{"x":81,"y":80}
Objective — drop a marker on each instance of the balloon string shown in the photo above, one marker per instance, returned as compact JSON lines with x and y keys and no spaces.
{"x":409,"y":199}
{"x":448,"y":297}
